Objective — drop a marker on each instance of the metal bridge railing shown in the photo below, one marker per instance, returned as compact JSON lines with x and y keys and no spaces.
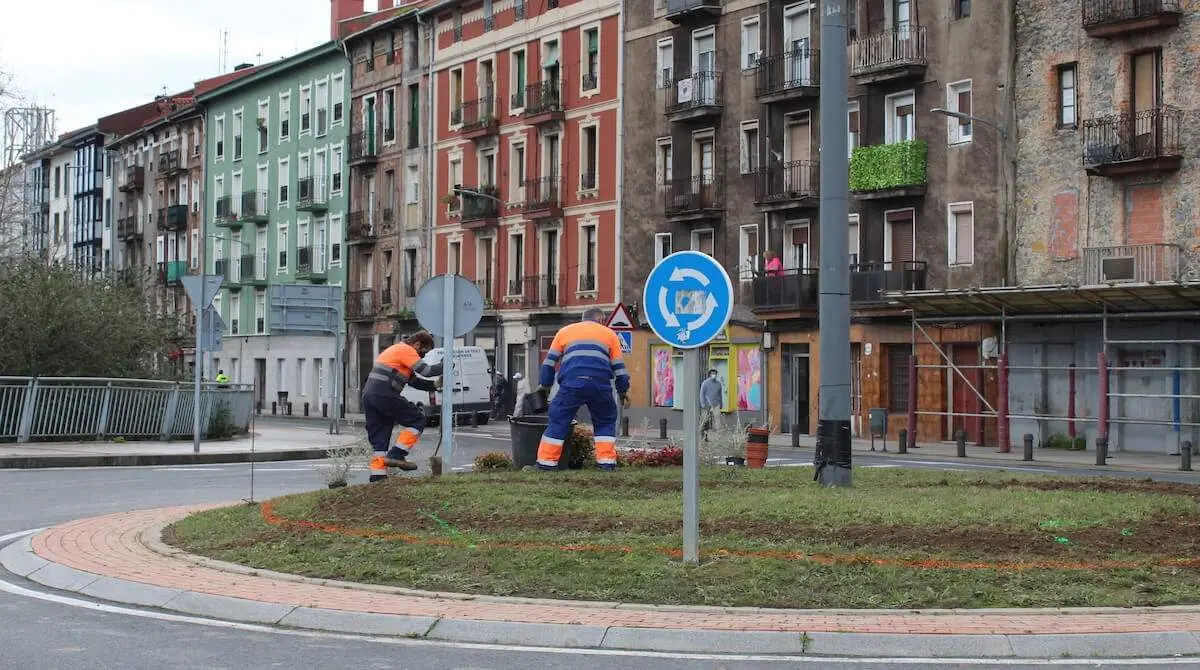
{"x":68,"y":408}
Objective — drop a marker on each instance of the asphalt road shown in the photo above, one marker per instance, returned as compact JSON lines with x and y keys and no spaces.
{"x":40,"y":633}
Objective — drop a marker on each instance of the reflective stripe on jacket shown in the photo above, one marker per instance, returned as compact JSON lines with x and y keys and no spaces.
{"x":399,"y":365}
{"x":585,"y":349}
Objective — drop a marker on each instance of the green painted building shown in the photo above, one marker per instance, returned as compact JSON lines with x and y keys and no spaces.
{"x":276,"y":198}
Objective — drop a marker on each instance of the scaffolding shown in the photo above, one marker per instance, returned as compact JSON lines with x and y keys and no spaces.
{"x":1134,"y":384}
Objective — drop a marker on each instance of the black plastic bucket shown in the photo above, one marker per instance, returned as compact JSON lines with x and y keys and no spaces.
{"x":526,"y":434}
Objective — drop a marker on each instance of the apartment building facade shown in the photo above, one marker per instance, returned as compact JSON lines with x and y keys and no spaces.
{"x":526,"y":164}
{"x":275,"y":208}
{"x":52,"y":166}
{"x":736,"y":100}
{"x":33,"y":231}
{"x":386,"y":227}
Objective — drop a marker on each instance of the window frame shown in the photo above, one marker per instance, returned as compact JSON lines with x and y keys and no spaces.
{"x":959,"y":131}
{"x":952,"y":210}
{"x":1060,"y":96}
{"x":749,"y":54}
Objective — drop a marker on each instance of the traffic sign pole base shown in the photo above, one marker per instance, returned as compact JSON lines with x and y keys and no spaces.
{"x":832,"y":459}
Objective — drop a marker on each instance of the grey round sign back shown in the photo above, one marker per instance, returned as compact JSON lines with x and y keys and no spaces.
{"x":431,"y":305}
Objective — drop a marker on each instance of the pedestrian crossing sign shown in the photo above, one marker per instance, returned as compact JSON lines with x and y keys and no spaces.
{"x":620,"y":319}
{"x":626,"y":337}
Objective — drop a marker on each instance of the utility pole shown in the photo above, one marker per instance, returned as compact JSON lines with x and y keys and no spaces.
{"x":832,"y":458}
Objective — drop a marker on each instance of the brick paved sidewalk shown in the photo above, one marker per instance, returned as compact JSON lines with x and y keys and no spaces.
{"x":113,"y":546}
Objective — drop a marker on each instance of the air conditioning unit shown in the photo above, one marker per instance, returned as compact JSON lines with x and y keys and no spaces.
{"x":1118,"y":269}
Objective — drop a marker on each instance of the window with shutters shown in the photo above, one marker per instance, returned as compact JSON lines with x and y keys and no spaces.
{"x":897,"y":372}
{"x":960,"y":234}
{"x":898,"y":234}
{"x":853,"y":123}
{"x":958,"y":99}
{"x":900,"y":122}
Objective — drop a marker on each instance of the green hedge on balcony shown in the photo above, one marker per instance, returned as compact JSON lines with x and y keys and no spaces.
{"x":885,"y":166}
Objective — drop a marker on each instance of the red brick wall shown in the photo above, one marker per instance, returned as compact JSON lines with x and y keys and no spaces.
{"x":1064,"y":232}
{"x":1143,"y":214}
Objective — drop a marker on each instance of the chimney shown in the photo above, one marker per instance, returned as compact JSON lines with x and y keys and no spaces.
{"x":342,"y":10}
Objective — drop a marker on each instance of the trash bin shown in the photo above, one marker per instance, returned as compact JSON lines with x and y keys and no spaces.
{"x":526,"y":433}
{"x":879,"y":420}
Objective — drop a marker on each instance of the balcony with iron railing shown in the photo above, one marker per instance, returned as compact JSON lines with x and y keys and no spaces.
{"x":792,"y":75}
{"x":253,"y":269}
{"x":173,"y":219}
{"x":1131,"y":264}
{"x":312,"y":195}
{"x":309,"y":265}
{"x":229,"y":272}
{"x":479,"y":118}
{"x":698,"y":95}
{"x":792,"y":184}
{"x":869,"y":282}
{"x":884,"y":171}
{"x":254,"y":207}
{"x":171,"y":163}
{"x":171,"y":272}
{"x":361,"y":305}
{"x":363,"y":149}
{"x":588,"y":180}
{"x":360,"y":228}
{"x":1114,"y":18}
{"x":889,"y":55}
{"x":693,"y":198}
{"x":680,"y":11}
{"x":543,"y":102}
{"x":1138,"y":143}
{"x":135,"y":179}
{"x":480,"y":211}
{"x":587,"y":283}
{"x":543,"y":198}
{"x":128,"y":228}
{"x":224,"y":216}
{"x":791,"y":291}
{"x":487,"y":289}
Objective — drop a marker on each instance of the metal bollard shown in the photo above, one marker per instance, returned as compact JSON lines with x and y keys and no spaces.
{"x":274,"y":408}
{"x":662,"y":429}
{"x":903,"y":434}
{"x":1185,"y":456}
{"x":1101,"y":451}
{"x":435,"y":466}
{"x":795,"y":436}
{"x":960,"y":443}
{"x":474,"y":419}
{"x":1027,"y":443}
{"x":291,"y":406}
{"x":624,"y":426}
{"x":258,"y":408}
{"x":324,"y":410}
{"x":306,"y":410}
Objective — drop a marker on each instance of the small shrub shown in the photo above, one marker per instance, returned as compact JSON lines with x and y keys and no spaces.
{"x":220,"y":423}
{"x":1060,"y":441}
{"x":669,"y":456}
{"x":582,"y":445}
{"x":343,"y":458}
{"x":493,"y":460}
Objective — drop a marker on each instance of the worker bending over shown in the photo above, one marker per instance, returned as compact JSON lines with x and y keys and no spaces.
{"x":397,"y":366}
{"x":587,"y":357}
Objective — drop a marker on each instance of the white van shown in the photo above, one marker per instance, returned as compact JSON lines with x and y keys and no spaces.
{"x":471,"y":389}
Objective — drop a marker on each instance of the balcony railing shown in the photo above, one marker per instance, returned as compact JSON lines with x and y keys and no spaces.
{"x":363,"y":148}
{"x":543,"y":99}
{"x":587,"y":181}
{"x":135,"y":178}
{"x":488,"y":290}
{"x":1135,"y":263}
{"x":222,"y":268}
{"x":360,"y":228}
{"x":1124,"y":143}
{"x":1108,"y":18}
{"x":543,"y":195}
{"x":886,"y":167}
{"x":128,"y":228}
{"x":693,"y":196}
{"x":587,"y":283}
{"x":479,"y":117}
{"x":171,"y":272}
{"x":224,"y":210}
{"x":360,"y":305}
{"x":478,"y":208}
{"x":170,"y":162}
{"x":173,"y":218}
{"x":308,"y":264}
{"x":694,"y":95}
{"x":898,"y":51}
{"x":312,"y":194}
{"x":870,"y":281}
{"x":254,"y":206}
{"x":791,"y":74}
{"x":678,"y":10}
{"x":252,"y":269}
{"x":794,"y":180}
{"x":794,"y":289}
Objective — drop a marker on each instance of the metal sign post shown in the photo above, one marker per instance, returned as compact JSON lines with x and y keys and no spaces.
{"x":688,"y":301}
{"x":448,"y":306}
{"x":201,"y":289}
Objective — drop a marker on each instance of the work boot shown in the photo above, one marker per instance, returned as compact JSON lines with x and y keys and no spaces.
{"x":608,"y":467}
{"x":377,"y":478}
{"x":551,"y":468}
{"x":398,"y":458}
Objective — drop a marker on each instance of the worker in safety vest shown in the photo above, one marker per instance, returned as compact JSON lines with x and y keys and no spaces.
{"x":397,"y":366}
{"x":587,"y":358}
{"x":222,"y":378}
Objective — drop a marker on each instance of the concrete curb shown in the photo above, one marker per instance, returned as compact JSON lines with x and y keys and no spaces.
{"x":35,"y":462}
{"x":20,"y":559}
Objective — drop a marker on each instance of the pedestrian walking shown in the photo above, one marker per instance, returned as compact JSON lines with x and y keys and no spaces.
{"x":712,"y":399}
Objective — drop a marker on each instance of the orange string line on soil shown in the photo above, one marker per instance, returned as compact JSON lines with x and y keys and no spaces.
{"x":271,"y":518}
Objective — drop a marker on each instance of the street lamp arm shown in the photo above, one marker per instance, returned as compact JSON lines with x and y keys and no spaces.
{"x":970,"y":117}
{"x":477,"y":194}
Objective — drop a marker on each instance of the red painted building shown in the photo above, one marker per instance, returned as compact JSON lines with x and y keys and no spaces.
{"x":526,"y":163}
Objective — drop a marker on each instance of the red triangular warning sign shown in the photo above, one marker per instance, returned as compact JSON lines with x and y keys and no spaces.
{"x":620,"y":319}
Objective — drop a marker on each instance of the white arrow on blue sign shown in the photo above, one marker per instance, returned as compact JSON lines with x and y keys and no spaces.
{"x":688,"y":299}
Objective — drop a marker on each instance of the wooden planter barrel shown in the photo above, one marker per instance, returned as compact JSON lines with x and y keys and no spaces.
{"x":756,"y":447}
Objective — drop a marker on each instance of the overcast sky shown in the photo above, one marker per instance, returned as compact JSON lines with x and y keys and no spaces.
{"x":90,"y":58}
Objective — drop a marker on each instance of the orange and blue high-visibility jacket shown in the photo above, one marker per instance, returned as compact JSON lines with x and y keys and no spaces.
{"x":400,"y":365}
{"x":586,"y":350}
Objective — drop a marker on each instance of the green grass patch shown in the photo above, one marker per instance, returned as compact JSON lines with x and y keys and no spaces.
{"x":882,"y":544}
